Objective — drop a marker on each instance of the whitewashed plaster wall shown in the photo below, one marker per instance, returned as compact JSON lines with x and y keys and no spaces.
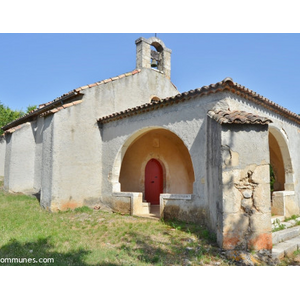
{"x":188,"y":121}
{"x":2,"y":155}
{"x":20,"y":160}
{"x":76,"y":157}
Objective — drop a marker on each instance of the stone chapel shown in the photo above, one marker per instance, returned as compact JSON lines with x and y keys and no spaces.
{"x":136,"y":144}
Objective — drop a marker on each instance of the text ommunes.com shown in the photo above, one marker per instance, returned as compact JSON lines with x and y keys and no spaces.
{"x":23,"y":260}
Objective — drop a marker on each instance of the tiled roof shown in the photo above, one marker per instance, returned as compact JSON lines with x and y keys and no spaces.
{"x":226,"y":85}
{"x":57,"y":104}
{"x":237,"y":117}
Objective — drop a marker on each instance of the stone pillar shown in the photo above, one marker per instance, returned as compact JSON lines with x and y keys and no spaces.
{"x":244,"y":215}
{"x":166,"y":68}
{"x":143,"y":58}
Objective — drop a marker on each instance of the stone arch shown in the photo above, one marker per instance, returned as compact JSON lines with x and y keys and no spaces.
{"x":161,"y":144}
{"x":280,"y":159}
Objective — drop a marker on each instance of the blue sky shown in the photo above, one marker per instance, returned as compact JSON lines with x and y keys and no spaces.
{"x":38,"y":67}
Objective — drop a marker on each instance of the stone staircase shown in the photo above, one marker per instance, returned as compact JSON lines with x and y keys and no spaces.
{"x":285,"y":241}
{"x":145,"y":208}
{"x":149,"y":211}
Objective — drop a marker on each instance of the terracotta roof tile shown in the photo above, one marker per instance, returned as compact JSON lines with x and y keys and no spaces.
{"x":226,"y":85}
{"x":42,"y":109}
{"x":237,"y":117}
{"x":91,"y":85}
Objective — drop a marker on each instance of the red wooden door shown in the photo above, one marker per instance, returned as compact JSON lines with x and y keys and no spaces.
{"x":153,"y":181}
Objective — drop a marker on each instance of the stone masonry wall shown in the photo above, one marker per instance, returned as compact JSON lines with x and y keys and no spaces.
{"x":244,"y":216}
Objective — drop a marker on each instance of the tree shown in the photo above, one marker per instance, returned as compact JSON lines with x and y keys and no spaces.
{"x":30,"y":108}
{"x":7,"y":115}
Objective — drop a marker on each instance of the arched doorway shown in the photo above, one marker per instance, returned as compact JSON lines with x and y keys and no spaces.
{"x":277,"y":173}
{"x":167,"y":148}
{"x":281,"y":175}
{"x":150,"y":148}
{"x":153,"y":181}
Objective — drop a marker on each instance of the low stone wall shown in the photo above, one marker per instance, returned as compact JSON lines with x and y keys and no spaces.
{"x":180,"y":207}
{"x":284,"y":204}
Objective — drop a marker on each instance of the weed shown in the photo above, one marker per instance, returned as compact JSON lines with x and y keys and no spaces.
{"x":83,"y":209}
{"x":293,"y":217}
{"x":278,"y":226}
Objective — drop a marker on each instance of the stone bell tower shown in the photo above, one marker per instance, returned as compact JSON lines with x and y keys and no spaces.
{"x":159,"y":59}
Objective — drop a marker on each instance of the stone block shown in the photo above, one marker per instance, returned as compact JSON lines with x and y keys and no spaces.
{"x":261,"y":174}
{"x":291,"y":208}
{"x":261,"y":222}
{"x":262,"y":198}
{"x":232,"y":200}
{"x":235,"y":223}
{"x":260,"y":240}
{"x":233,"y":240}
{"x":277,"y":204}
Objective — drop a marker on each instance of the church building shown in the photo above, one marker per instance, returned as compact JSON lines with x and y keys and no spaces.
{"x":220,"y":155}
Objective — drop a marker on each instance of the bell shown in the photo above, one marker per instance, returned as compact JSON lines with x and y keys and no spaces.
{"x":154,"y":63}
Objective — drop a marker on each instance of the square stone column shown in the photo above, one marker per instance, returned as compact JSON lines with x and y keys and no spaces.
{"x":244,"y":215}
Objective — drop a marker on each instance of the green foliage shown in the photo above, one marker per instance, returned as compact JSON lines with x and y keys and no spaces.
{"x":278,"y":226}
{"x":83,"y":209}
{"x":293,"y":217}
{"x":30,"y":108}
{"x":272,"y":178}
{"x":8,"y":115}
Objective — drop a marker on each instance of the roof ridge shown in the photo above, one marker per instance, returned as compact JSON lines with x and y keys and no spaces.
{"x":226,"y":84}
{"x":41,"y":108}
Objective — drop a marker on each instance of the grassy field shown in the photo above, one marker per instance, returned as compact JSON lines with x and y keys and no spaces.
{"x":96,"y":238}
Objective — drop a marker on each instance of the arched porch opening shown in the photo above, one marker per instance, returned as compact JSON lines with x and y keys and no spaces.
{"x":167,"y":149}
{"x":281,"y":174}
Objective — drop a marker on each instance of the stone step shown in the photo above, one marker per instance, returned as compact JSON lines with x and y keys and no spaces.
{"x":285,"y":249}
{"x":145,"y":209}
{"x":284,"y":235}
{"x":285,"y":242}
{"x":278,"y":221}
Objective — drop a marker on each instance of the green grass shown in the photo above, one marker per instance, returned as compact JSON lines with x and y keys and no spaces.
{"x":293,"y":217}
{"x":93,"y":237}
